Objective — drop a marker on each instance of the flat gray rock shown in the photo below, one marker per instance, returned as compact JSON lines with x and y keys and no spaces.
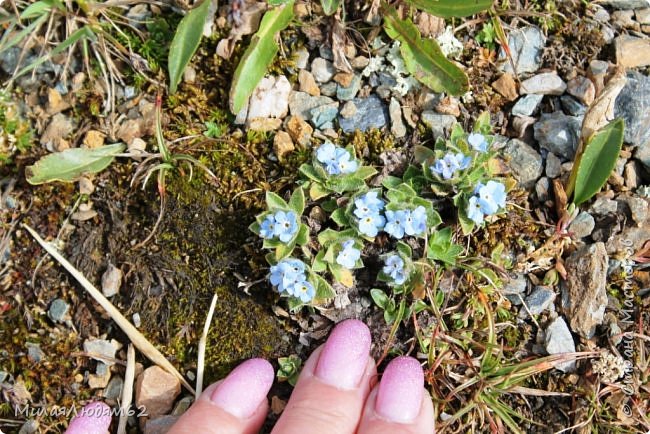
{"x":526,"y":46}
{"x":558,"y":341}
{"x":633,"y":105}
{"x":525,"y":162}
{"x":558,"y":133}
{"x":371,"y":113}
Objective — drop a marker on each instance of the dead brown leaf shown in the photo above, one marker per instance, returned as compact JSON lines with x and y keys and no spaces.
{"x":339,"y":41}
{"x":601,"y":110}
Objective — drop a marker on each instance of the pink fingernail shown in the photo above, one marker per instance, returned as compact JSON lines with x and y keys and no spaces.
{"x":245,"y":388}
{"x":94,"y":418}
{"x":345,"y":355}
{"x":400,"y":391}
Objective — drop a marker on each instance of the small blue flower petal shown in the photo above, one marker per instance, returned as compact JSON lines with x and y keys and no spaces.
{"x":416,"y":222}
{"x":349,"y":256}
{"x":267,"y":228}
{"x":286,"y":225}
{"x":396,"y":223}
{"x":474,"y":210}
{"x":304,"y":291}
{"x":478,"y":142}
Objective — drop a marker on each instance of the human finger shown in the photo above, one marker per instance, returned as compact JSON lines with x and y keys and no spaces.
{"x":332,"y":386}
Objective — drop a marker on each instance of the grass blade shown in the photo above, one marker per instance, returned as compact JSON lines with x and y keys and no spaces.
{"x":185,"y":43}
{"x":451,"y":8}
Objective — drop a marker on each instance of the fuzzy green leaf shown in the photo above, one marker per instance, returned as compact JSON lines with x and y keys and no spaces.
{"x":339,"y":217}
{"x":423,"y":57}
{"x":451,"y":8}
{"x":317,"y":191}
{"x":346,"y":183}
{"x":323,"y":289}
{"x":311,"y":173}
{"x":330,"y":6}
{"x":70,"y":164}
{"x":284,"y":251}
{"x":297,"y":201}
{"x":259,"y":55}
{"x":273,"y":201}
{"x":303,"y":235}
{"x":595,"y":164}
{"x":185,"y":43}
{"x":379,"y":297}
{"x":365,"y":172}
{"x":319,"y":265}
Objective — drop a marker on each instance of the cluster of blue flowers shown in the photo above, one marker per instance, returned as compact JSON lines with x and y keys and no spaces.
{"x":406,"y":222}
{"x":349,"y":256}
{"x":282,"y":224}
{"x":335,"y":159}
{"x":368,"y":210}
{"x":394,"y":268}
{"x":488,"y":199}
{"x":450,"y":164}
{"x":289,"y":277}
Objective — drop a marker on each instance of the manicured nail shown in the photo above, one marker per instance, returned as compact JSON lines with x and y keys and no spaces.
{"x":94,"y":418}
{"x":400,"y":390}
{"x":345,"y":355}
{"x":245,"y":388}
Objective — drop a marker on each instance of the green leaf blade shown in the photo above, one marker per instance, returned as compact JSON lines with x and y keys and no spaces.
{"x":423,"y":57}
{"x":451,"y":8}
{"x":68,"y":165}
{"x":598,"y":160}
{"x":330,"y":6}
{"x":259,"y":55}
{"x":185,"y":43}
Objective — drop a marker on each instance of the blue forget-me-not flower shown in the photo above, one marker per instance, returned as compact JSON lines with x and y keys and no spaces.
{"x":267,"y":227}
{"x":488,"y":199}
{"x":286,"y":273}
{"x":303,"y":290}
{"x":395,"y":223}
{"x":349,"y":256}
{"x":451,"y":163}
{"x":394,"y":267}
{"x":368,"y":208}
{"x":416,"y":221}
{"x":336,"y":160}
{"x":286,"y":225}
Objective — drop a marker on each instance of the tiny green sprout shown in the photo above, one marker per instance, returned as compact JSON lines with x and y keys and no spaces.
{"x":289,"y":369}
{"x":213,"y":130}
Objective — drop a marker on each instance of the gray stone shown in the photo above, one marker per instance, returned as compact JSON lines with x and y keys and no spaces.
{"x":160,"y":425}
{"x":553,"y":166}
{"x":527,"y":104}
{"x":542,"y":188}
{"x":301,"y":103}
{"x":101,"y":349}
{"x":182,"y":405}
{"x":525,"y":162}
{"x":583,"y":225}
{"x":626,"y":4}
{"x":371,"y":113}
{"x":329,"y":89}
{"x":558,"y":133}
{"x":58,"y":310}
{"x":604,"y":206}
{"x":638,"y":209}
{"x":526,"y":46}
{"x":582,"y":89}
{"x":584,"y":292}
{"x":322,"y":69}
{"x":34,"y":352}
{"x":633,"y":105}
{"x":538,"y":301}
{"x":440,"y":125}
{"x":558,"y":340}
{"x":514,"y":288}
{"x":349,"y":92}
{"x":29,"y":427}
{"x":113,"y":390}
{"x":547,"y":83}
{"x":301,"y":57}
{"x":323,"y":115}
{"x":600,"y":13}
{"x":572,"y":106}
{"x":397,"y":126}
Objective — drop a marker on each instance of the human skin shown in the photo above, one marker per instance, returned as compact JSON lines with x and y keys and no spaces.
{"x":337,"y":393}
